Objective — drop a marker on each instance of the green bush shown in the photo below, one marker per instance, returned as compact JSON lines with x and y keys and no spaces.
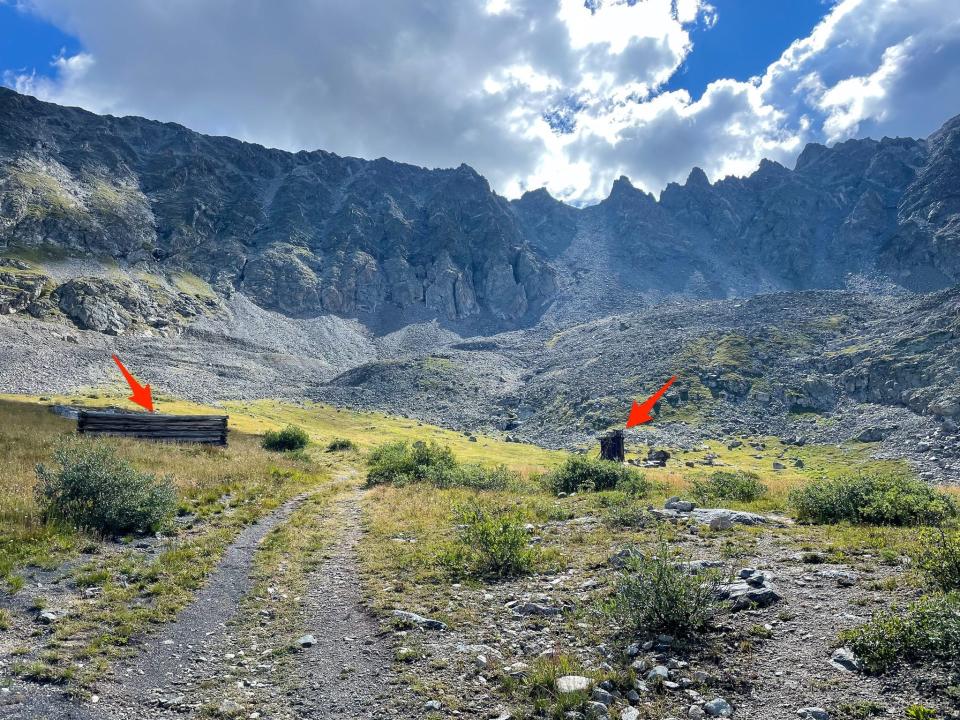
{"x":93,"y":489}
{"x":290,"y":438}
{"x":656,"y":595}
{"x":938,"y":557}
{"x":491,"y":543}
{"x":627,"y":512}
{"x":400,"y":463}
{"x":927,"y":629}
{"x":873,"y":499}
{"x":579,"y":473}
{"x":723,"y":485}
{"x":339,"y":444}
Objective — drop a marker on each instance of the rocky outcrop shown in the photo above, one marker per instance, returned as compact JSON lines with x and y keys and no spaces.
{"x":20,"y":286}
{"x":114,"y":307}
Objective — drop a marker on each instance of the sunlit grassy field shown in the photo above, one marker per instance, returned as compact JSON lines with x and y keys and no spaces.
{"x":409,"y":531}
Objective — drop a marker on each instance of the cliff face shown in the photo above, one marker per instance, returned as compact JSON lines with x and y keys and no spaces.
{"x":313,"y":233}
{"x":304,"y":233}
{"x":885,"y":208}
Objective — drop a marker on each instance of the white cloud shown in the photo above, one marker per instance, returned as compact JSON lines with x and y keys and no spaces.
{"x":563,"y":93}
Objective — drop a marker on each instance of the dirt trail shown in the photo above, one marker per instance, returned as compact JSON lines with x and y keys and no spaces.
{"x":169,"y":661}
{"x":345,"y":675}
{"x":178,"y":670}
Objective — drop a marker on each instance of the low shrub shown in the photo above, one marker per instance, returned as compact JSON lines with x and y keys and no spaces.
{"x":627,"y":512}
{"x":94,"y":489}
{"x":938,"y":557}
{"x":340,"y":444}
{"x":723,"y":485}
{"x":579,"y":473}
{"x":874,"y":499}
{"x":401,"y":463}
{"x":656,"y":595}
{"x":491,"y":543}
{"x":927,"y":629}
{"x":290,"y":438}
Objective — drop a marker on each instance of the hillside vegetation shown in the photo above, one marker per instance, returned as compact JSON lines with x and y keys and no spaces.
{"x":571,"y":553}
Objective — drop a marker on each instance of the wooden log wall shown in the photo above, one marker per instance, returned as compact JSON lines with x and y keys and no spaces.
{"x":203,"y":429}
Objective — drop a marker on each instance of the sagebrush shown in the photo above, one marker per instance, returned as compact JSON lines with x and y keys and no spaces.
{"x":95,"y":489}
{"x":937,"y":557}
{"x":339,"y":444}
{"x":657,"y":594}
{"x":927,"y":629}
{"x":738,"y":485}
{"x":874,"y":499}
{"x":290,"y":438}
{"x":491,"y":543}
{"x":401,"y":463}
{"x":581,"y":473}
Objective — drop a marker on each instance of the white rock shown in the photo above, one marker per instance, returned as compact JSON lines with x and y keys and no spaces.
{"x":573,"y":683}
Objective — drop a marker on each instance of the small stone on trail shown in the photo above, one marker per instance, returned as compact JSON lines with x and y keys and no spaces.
{"x":306,"y":641}
{"x":419,"y":620}
{"x":813,"y":713}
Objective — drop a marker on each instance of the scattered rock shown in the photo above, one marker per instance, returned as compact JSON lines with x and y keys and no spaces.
{"x":532,"y":608}
{"x":718,"y":707}
{"x":596,"y":710}
{"x":659,"y":673}
{"x":419,"y":620}
{"x":675,"y":503}
{"x":845,"y":659}
{"x":573,"y":683}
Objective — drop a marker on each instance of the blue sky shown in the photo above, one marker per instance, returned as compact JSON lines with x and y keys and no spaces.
{"x":559,"y":94}
{"x":746,"y":37}
{"x":28,"y":43}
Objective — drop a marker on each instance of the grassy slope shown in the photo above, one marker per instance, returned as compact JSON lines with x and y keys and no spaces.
{"x":226,"y":489}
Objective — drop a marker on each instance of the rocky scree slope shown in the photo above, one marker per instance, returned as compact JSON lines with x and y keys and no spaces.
{"x":812,"y":366}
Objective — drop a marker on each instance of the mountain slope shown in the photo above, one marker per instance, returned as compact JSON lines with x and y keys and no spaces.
{"x":312,"y":233}
{"x":304,"y":233}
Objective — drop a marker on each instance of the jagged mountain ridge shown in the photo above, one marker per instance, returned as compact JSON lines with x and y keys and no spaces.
{"x":886,"y":208}
{"x":303,"y":233}
{"x":312,"y":233}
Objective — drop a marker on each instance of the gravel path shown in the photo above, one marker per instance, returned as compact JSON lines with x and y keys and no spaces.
{"x":155,"y":682}
{"x":345,"y":675}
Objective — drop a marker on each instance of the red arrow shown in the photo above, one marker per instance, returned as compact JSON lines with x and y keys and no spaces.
{"x":640,"y":414}
{"x":141,"y":393}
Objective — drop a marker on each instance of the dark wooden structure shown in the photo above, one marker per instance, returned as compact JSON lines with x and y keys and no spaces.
{"x":203,"y":429}
{"x":611,"y":446}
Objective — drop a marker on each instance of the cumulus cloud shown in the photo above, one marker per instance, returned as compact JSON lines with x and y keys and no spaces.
{"x":562,"y":93}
